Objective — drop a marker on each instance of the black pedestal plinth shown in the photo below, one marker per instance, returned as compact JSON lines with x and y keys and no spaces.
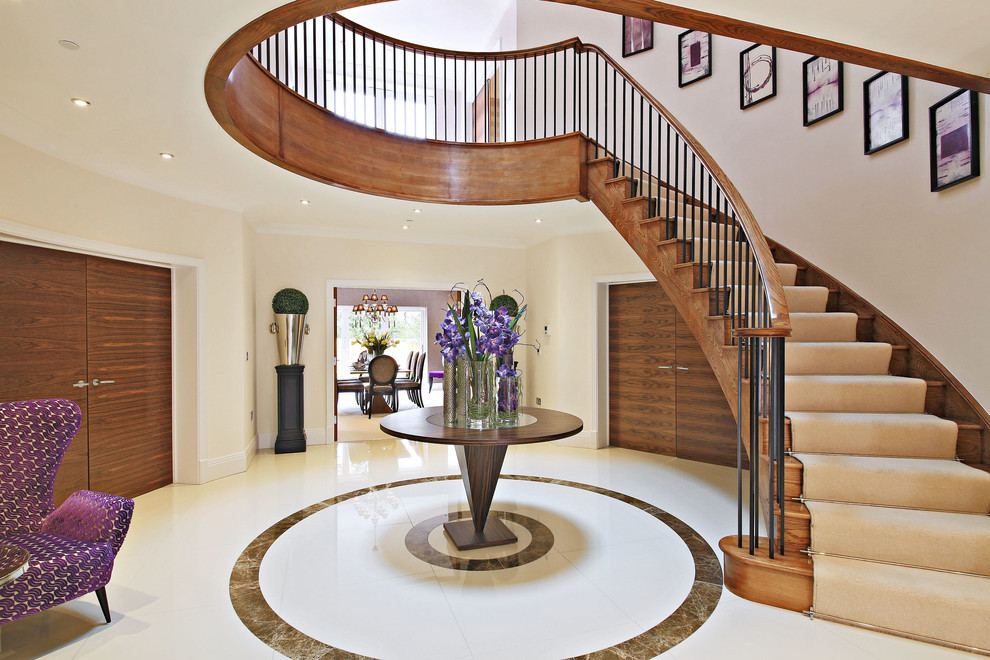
{"x":291,"y":436}
{"x":465,"y":537}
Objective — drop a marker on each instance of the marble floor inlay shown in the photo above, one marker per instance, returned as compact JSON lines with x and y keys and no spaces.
{"x":381,"y":551}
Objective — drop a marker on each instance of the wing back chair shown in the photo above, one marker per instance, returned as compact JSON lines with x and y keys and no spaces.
{"x":71,"y":548}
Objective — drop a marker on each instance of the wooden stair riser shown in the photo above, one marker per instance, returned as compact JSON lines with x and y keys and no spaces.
{"x":797,"y":523}
{"x":609,"y":196}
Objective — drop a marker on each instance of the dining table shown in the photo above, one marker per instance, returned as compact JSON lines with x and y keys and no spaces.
{"x":379,"y":405}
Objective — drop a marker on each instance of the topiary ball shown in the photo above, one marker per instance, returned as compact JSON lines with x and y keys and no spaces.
{"x":290,"y":301}
{"x":507,"y":301}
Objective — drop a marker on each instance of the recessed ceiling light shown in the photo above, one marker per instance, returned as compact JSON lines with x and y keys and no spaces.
{"x":304,"y":202}
{"x":82,"y":103}
{"x":166,"y":155}
{"x":68,"y":45}
{"x":417,"y":210}
{"x":539,"y":220}
{"x":405,"y":226}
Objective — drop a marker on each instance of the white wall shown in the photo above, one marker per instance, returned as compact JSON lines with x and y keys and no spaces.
{"x":308,"y":263}
{"x":41,"y":192}
{"x":563,"y":274}
{"x":870,"y":221}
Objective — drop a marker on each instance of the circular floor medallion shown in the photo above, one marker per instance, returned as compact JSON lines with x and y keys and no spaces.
{"x":257,"y":615}
{"x":417,"y":542}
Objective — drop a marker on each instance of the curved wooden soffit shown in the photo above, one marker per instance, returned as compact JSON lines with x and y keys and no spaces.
{"x":291,"y":132}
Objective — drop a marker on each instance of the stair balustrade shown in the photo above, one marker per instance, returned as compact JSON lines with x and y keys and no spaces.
{"x":572,"y":87}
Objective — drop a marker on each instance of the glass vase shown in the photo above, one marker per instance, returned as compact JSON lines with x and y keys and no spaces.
{"x":449,"y":393}
{"x":481,"y":403}
{"x":508,"y":396}
{"x":460,"y":392}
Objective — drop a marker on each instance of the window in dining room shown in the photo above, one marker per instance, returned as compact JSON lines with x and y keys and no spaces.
{"x":408,"y":327}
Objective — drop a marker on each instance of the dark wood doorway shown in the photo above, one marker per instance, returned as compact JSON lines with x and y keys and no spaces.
{"x":663,"y":395}
{"x":98,"y":332}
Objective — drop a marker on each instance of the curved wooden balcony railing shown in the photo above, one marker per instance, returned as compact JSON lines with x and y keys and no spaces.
{"x":333,"y":101}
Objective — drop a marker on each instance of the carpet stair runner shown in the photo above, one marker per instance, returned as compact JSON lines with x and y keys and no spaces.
{"x":900,"y":535}
{"x":899,"y":531}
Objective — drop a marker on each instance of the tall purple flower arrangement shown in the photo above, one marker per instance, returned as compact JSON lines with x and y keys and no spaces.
{"x":477,"y":332}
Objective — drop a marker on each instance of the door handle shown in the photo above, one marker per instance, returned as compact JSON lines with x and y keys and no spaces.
{"x":669,"y":366}
{"x":680,"y":368}
{"x":81,"y":383}
{"x":97,"y":381}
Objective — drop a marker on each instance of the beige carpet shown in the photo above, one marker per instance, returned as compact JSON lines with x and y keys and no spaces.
{"x":952,"y":542}
{"x":873,"y":434}
{"x":883,"y":488}
{"x":944,"y":606}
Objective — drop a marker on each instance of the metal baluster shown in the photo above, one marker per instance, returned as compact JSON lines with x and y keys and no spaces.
{"x":739,"y":443}
{"x":754,"y":463}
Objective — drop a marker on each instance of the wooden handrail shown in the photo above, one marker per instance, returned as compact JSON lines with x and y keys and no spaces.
{"x":498,"y":54}
{"x":227,"y":56}
{"x":758,"y":242}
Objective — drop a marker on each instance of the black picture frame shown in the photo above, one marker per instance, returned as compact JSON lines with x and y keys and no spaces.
{"x":954,"y":139}
{"x":885,"y":111}
{"x":822,"y":89}
{"x":694,"y":57}
{"x":637,"y":35}
{"x":757,"y":75}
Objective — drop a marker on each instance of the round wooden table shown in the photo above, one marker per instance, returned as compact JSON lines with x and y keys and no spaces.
{"x":480,"y":454}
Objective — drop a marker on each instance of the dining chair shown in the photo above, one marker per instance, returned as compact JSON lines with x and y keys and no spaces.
{"x":355,"y":385}
{"x":413,"y":386}
{"x":381,"y":381}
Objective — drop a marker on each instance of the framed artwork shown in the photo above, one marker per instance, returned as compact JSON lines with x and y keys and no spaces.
{"x":885,"y":111}
{"x":757,"y":75}
{"x":953,"y":124}
{"x":637,"y":35}
{"x":694,"y":50}
{"x":822,"y":89}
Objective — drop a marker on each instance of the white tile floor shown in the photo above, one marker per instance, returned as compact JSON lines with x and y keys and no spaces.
{"x":169,"y":594}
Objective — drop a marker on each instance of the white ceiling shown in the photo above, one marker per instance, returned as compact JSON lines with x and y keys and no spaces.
{"x":142,"y":63}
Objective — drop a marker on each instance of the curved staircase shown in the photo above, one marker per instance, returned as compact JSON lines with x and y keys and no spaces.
{"x":884,"y":527}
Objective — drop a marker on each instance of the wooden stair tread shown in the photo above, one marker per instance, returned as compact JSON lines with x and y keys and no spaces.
{"x":786,"y":581}
{"x":603,"y":159}
{"x":618,"y":179}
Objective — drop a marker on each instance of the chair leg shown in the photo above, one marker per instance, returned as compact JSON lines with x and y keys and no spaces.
{"x":101,"y":595}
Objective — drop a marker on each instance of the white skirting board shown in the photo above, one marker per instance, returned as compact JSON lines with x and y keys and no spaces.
{"x":583,"y":440}
{"x":224,"y":466}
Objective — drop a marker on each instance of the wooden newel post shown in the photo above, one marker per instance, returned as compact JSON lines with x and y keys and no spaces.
{"x":291,"y":436}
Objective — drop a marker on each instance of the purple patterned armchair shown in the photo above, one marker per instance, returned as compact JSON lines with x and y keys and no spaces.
{"x":73,"y":547}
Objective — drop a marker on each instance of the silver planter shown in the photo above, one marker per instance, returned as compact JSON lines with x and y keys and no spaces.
{"x":289,"y":330}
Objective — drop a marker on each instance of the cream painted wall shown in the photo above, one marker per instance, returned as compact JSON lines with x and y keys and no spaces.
{"x":39,"y":191}
{"x":307,"y":263}
{"x":250,"y":348}
{"x":563,"y":276}
{"x":871,"y":221}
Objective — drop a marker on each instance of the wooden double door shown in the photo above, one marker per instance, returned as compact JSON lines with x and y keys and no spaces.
{"x":98,"y":332}
{"x":663,"y":395}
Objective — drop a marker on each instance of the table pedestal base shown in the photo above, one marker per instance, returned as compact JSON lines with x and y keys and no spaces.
{"x":462,"y":533}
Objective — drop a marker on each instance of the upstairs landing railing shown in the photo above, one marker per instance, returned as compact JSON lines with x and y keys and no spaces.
{"x":571,"y":87}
